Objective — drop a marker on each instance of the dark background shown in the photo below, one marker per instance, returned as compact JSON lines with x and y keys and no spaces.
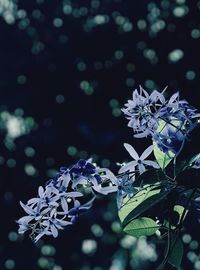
{"x":66,"y":69}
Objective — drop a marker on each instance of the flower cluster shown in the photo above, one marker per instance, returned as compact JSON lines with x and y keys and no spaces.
{"x":168,"y":122}
{"x":142,"y":112}
{"x":59,"y":203}
{"x":72,"y":191}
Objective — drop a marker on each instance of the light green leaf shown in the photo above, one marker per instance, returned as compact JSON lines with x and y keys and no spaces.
{"x":129,"y":204}
{"x":176,"y":256}
{"x":180,"y":210}
{"x":141,"y":226}
{"x":162,"y":158}
{"x":140,"y":202}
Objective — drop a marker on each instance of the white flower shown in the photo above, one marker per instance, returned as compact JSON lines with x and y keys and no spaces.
{"x":51,"y":224}
{"x":35,"y":213}
{"x":45,"y":197}
{"x":138,"y":162}
{"x":62,"y":197}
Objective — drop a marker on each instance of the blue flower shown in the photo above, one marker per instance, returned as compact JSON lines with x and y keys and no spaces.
{"x":78,"y":209}
{"x":139,"y":161}
{"x":142,"y":111}
{"x":145,"y":113}
{"x":170,"y":139}
{"x":57,"y":205}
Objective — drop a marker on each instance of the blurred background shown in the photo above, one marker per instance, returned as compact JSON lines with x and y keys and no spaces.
{"x":66,"y":69}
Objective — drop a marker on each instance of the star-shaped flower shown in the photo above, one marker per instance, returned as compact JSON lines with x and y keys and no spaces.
{"x":138,"y":162}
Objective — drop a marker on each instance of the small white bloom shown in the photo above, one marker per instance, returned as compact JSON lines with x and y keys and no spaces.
{"x":138,"y":162}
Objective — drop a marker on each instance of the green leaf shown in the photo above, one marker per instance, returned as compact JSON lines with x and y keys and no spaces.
{"x":176,"y":256}
{"x":162,"y":158}
{"x":140,"y":202}
{"x":180,"y":210}
{"x":141,"y":226}
{"x":129,"y":204}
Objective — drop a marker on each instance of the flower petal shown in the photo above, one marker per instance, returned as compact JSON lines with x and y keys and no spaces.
{"x":130,"y":166}
{"x":40,"y":191}
{"x":131,"y":151}
{"x":74,"y":194}
{"x":147,"y":152}
{"x":33,"y":201}
{"x":66,"y":179}
{"x":151,"y":163}
{"x":25,"y":219}
{"x":54,"y":231}
{"x":107,"y":190}
{"x":27,"y":209}
{"x":64,"y":204}
{"x":141,"y":168}
{"x":39,"y":236}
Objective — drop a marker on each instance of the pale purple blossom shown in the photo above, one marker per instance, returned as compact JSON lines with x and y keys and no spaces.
{"x":142,"y":110}
{"x":146,"y":113}
{"x":139,"y":161}
{"x":61,"y":196}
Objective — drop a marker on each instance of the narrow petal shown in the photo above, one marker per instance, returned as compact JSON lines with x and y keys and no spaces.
{"x":27,"y":209}
{"x":25,"y":219}
{"x":130,"y":166}
{"x":55,"y":204}
{"x":66,"y":179}
{"x":141,"y":168}
{"x":45,"y":211}
{"x":64,"y":223}
{"x":33,"y":201}
{"x":74,"y":194}
{"x":48,"y":191}
{"x":144,"y":91}
{"x":151,"y":163}
{"x":141,"y":135}
{"x":54,"y":231}
{"x":131,"y":151}
{"x":22,"y":229}
{"x":77,"y":204}
{"x":107,"y":190}
{"x":39,"y":236}
{"x":53,"y":212}
{"x":40,"y":191}
{"x":147,"y":152}
{"x":64,"y":204}
{"x":173,"y":97}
